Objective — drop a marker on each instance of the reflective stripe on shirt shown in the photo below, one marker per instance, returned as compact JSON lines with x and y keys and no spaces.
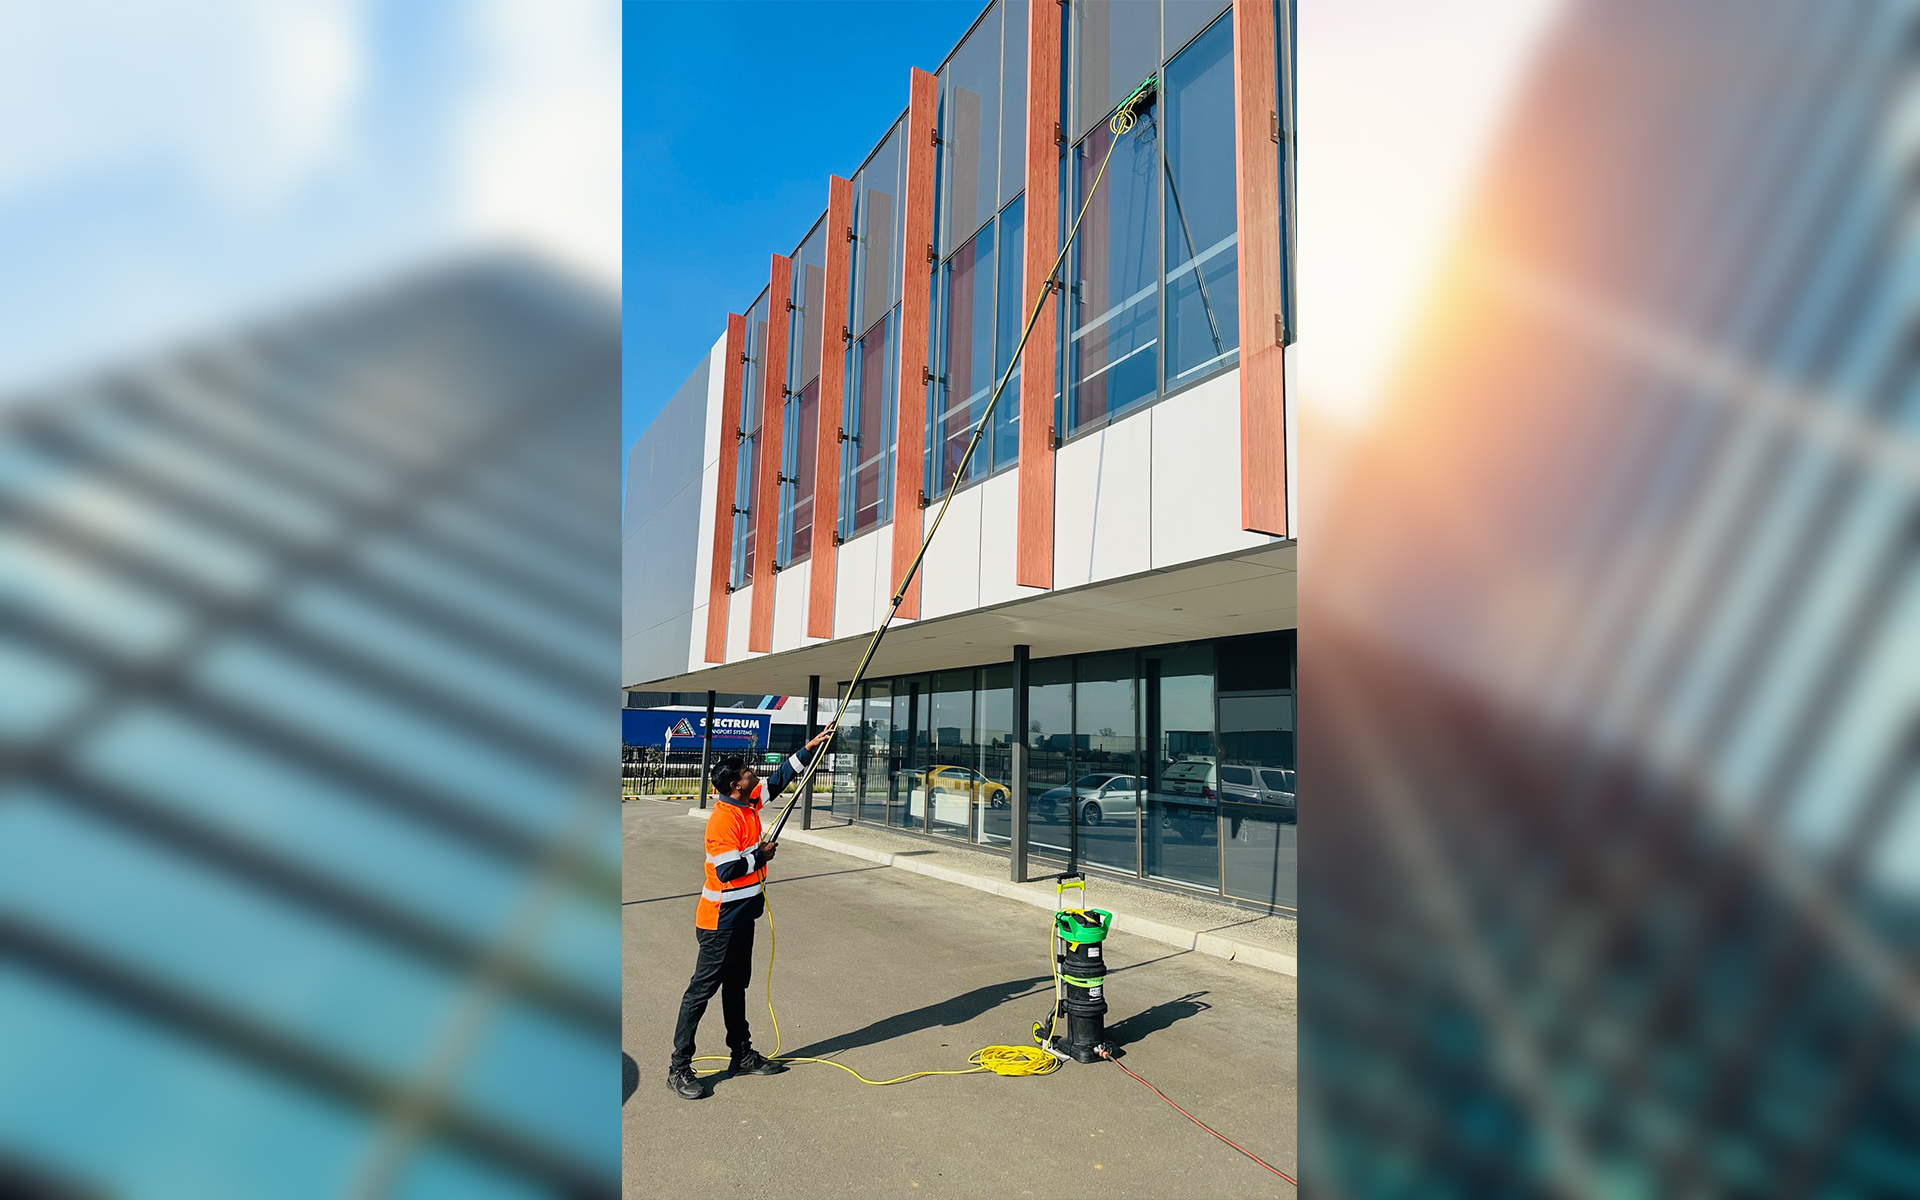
{"x":729,"y":896}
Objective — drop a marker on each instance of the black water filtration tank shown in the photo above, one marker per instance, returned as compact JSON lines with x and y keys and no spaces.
{"x":1083,"y":972}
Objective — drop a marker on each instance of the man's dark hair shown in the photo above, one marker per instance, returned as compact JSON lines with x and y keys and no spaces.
{"x":727,"y":772}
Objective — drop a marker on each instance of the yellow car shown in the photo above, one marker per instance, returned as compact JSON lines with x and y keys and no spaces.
{"x":961,"y":783}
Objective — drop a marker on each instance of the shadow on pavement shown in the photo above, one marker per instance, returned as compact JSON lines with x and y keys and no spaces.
{"x":629,"y":1076}
{"x":956,"y":1011}
{"x":1153,"y":1020}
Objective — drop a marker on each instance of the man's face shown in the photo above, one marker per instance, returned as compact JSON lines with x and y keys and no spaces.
{"x":749,"y":780}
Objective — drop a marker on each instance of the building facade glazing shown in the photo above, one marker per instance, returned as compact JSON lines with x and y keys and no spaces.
{"x":1151,"y":303}
{"x":1164,"y":762}
{"x":1173,"y":764}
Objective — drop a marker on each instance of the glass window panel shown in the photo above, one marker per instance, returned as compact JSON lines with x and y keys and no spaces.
{"x":1116,"y":46}
{"x":1261,"y":663}
{"x":1181,"y":834}
{"x":1113,"y":347}
{"x":1188,"y":17}
{"x":876,"y":773}
{"x":878,"y":221}
{"x":1203,"y":284}
{"x":906,"y":798}
{"x":746,"y":470}
{"x":960,"y":394}
{"x":1256,"y":720}
{"x":993,"y":732}
{"x":1011,"y":314}
{"x":1050,"y":757}
{"x":1107,"y":788}
{"x":869,"y":423}
{"x":970,"y":129}
{"x":843,"y":756}
{"x":1013,"y":102}
{"x":809,"y":290}
{"x":955,"y":792}
{"x":802,"y":443}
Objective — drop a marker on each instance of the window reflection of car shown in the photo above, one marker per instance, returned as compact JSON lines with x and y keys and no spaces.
{"x":1191,"y":792}
{"x":1276,"y":787}
{"x":959,"y":781}
{"x":1096,"y":797}
{"x":1187,"y":796}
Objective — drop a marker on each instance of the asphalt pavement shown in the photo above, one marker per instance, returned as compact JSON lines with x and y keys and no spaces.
{"x":891,"y":972}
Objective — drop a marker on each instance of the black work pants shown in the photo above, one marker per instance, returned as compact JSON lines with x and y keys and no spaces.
{"x":725,"y":964}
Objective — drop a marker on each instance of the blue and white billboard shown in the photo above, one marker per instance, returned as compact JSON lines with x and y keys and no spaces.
{"x":733,"y":730}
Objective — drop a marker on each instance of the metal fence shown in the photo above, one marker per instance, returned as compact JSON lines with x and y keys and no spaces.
{"x":649,"y":770}
{"x":652,"y":771}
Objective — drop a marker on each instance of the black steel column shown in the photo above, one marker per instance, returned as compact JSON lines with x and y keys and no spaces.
{"x":1151,"y":805}
{"x":813,"y":727}
{"x":706,"y":751}
{"x":1017,"y":806}
{"x":913,"y":748}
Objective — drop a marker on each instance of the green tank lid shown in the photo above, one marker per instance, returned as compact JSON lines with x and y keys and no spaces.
{"x":1082,"y":926}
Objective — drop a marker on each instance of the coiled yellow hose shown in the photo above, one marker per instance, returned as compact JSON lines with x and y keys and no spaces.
{"x":1001,"y":1060}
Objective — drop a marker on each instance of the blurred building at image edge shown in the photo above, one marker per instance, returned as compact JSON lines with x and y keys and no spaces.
{"x":1128,"y":514}
{"x":307,"y":885}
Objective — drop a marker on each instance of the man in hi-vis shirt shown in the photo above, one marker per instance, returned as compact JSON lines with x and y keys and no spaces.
{"x":729,"y":904}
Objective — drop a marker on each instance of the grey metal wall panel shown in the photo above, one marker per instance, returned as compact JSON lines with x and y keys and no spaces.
{"x":662,"y":532}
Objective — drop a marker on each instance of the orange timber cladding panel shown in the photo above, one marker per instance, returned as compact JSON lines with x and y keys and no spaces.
{"x":723,"y":490}
{"x":1263,"y":412}
{"x":1033,"y":539}
{"x":766,"y":502}
{"x":915,"y":301}
{"x":833,"y":365}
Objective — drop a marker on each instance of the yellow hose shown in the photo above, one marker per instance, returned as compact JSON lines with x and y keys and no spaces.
{"x":1001,"y":1060}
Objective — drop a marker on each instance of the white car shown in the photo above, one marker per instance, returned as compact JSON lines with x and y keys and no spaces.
{"x":1193,"y":790}
{"x":1097,"y":797}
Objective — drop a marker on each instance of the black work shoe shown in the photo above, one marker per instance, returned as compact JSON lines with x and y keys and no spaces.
{"x":685,"y":1084}
{"x":752,"y":1062}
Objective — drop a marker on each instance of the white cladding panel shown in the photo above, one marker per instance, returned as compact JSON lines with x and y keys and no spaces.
{"x":790,"y":606}
{"x":854,"y":586}
{"x":709,"y":488}
{"x":662,"y":531}
{"x":950,"y":578}
{"x":697,"y":644}
{"x":739,"y":617}
{"x":1196,"y":474}
{"x":883,"y":577}
{"x":1293,"y":443}
{"x":1103,"y":503}
{"x":999,"y":531}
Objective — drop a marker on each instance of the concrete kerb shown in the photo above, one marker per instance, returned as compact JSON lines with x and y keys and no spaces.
{"x":1217,"y":945}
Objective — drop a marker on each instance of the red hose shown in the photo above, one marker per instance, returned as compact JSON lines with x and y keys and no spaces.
{"x":1202,"y":1124}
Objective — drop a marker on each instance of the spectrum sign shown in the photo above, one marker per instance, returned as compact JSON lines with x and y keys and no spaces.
{"x":733,"y":730}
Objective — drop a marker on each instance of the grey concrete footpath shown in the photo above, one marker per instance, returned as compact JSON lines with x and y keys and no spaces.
{"x":889,"y":972}
{"x":1187,"y":922}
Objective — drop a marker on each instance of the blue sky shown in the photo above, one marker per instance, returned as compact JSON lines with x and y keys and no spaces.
{"x":734,"y":116}
{"x":173,"y":168}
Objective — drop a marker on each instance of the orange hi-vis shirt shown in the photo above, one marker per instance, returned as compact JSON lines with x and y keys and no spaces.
{"x":735,"y":873}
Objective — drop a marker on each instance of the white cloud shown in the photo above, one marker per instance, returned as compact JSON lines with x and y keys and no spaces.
{"x":247,"y":98}
{"x":539,"y":146}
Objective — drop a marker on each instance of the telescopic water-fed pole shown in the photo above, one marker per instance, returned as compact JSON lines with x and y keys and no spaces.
{"x":1076,"y":940}
{"x":1120,"y":124}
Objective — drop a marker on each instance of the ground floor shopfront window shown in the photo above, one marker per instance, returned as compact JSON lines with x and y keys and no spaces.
{"x":1169,"y":763}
